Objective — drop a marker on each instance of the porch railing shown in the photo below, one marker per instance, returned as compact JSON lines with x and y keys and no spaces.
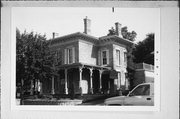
{"x":144,"y":66}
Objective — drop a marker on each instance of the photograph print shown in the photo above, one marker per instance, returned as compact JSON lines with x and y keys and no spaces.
{"x":85,"y":56}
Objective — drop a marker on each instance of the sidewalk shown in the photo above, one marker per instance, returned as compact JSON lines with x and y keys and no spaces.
{"x":50,"y":102}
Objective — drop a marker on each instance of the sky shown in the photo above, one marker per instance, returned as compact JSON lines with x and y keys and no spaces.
{"x":67,"y":20}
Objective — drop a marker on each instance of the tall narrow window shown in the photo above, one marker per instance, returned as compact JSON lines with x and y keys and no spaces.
{"x":118,"y":57}
{"x":59,"y":57}
{"x":69,"y":55}
{"x":104,"y":57}
{"x":125,"y":57}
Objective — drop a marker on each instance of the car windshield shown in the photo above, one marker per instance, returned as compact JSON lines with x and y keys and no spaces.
{"x":141,"y":90}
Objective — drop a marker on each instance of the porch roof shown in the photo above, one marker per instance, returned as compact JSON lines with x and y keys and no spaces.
{"x":77,"y":65}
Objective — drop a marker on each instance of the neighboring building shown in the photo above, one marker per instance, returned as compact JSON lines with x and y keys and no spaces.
{"x":89,"y":65}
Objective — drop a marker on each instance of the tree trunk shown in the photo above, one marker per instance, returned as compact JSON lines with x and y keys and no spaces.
{"x":22,"y":92}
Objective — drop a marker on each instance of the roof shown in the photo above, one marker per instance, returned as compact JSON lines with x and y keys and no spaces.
{"x":74,"y":36}
{"x":117,"y":39}
{"x":83,"y":36}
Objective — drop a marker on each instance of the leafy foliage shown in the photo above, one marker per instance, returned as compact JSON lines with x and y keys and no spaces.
{"x":128,"y":35}
{"x":111,"y":32}
{"x":144,"y":50}
{"x":34,"y":60}
{"x":124,"y":32}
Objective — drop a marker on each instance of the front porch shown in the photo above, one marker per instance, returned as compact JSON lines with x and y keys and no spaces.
{"x":79,"y":79}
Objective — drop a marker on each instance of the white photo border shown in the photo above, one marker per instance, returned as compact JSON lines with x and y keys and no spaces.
{"x":168,"y":53}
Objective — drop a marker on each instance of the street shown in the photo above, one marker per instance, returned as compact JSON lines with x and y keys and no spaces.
{"x":94,"y":102}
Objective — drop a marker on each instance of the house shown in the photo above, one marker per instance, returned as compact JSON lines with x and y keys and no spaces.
{"x":89,"y":65}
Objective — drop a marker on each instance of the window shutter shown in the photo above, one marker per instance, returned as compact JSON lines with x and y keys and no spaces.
{"x":73,"y":55}
{"x":99,"y":58}
{"x":107,"y":51}
{"x":65,"y":56}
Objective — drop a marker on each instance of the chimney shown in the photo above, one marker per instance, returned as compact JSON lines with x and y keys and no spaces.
{"x":87,"y":25}
{"x":118,"y":29}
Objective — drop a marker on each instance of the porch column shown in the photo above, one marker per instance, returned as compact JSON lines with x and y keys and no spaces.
{"x":100,"y":80}
{"x":66,"y":88}
{"x":52,"y":90}
{"x":80,"y":80}
{"x":126,"y":82}
{"x":91,"y":83}
{"x":118,"y":81}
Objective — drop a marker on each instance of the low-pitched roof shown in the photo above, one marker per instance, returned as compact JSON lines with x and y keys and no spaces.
{"x":74,"y":36}
{"x":90,"y":38}
{"x":116,"y":38}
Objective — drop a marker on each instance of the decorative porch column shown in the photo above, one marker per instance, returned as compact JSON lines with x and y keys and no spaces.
{"x":52,"y":90}
{"x":100,"y":80}
{"x":80,"y":80}
{"x":66,"y":88}
{"x":119,"y":81}
{"x":91,"y":82}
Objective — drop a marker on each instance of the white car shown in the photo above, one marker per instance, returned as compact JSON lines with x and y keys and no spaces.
{"x":141,"y":95}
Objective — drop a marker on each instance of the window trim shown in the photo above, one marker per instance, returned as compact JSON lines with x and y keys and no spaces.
{"x":118,"y":63}
{"x":107,"y":57}
{"x":125,"y":58}
{"x":66,"y":55}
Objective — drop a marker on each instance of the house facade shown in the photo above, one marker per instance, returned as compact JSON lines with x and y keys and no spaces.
{"x":89,"y":65}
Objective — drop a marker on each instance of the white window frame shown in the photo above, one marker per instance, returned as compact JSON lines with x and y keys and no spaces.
{"x":66,"y":55}
{"x":118,"y":60}
{"x":107,"y":57}
{"x":125,"y":58}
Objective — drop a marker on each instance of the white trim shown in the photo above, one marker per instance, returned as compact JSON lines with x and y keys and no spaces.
{"x":125,"y":58}
{"x":118,"y":63}
{"x":65,"y":56}
{"x":73,"y":54}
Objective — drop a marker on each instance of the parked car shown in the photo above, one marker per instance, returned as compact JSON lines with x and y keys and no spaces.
{"x":141,"y":95}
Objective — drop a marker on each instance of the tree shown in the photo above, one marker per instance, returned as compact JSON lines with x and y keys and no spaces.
{"x":128,"y":35}
{"x":144,"y":50}
{"x":111,"y":32}
{"x":34,"y":60}
{"x":124,"y":32}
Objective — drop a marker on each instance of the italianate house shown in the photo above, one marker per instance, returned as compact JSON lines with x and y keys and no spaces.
{"x":89,"y":65}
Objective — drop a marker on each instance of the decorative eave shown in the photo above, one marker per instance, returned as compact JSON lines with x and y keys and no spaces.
{"x":84,"y":65}
{"x":115,"y":38}
{"x":77,"y":35}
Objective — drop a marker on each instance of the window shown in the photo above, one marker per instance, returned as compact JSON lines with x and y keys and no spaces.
{"x":141,"y":90}
{"x":125,"y":57}
{"x":59,"y":56}
{"x":69,"y":55}
{"x":105,"y":56}
{"x":118,"y":57}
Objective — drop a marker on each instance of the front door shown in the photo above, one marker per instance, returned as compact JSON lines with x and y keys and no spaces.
{"x":84,"y":84}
